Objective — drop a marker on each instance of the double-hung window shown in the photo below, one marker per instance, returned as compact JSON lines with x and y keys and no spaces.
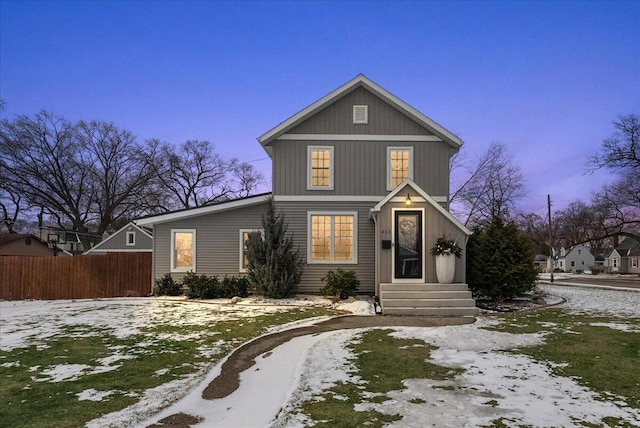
{"x":244,"y":240}
{"x":332,"y":237}
{"x":399,"y":165}
{"x":320,"y":168}
{"x":183,"y":250}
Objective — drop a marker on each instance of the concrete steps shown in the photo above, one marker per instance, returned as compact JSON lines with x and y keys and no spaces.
{"x":427,"y":299}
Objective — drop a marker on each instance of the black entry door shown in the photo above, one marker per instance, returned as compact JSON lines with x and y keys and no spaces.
{"x":408,"y":245}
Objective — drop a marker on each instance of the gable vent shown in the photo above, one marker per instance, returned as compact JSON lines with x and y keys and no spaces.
{"x":360,"y":114}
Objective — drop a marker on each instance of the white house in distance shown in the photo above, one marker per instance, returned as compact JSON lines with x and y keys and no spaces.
{"x":576,"y":258}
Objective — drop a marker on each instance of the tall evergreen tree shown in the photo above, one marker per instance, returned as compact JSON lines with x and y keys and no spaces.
{"x":499,"y":261}
{"x":275,"y":266}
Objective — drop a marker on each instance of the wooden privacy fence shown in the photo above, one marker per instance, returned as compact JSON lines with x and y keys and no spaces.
{"x":78,"y":277}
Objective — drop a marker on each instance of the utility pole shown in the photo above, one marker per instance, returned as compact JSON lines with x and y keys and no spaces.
{"x":550,"y":238}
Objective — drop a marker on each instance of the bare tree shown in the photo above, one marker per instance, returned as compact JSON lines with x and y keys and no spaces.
{"x":621,"y":151}
{"x":84,"y":175}
{"x":45,"y":165}
{"x":494,"y":186}
{"x":194,"y":175}
{"x":120,"y":170}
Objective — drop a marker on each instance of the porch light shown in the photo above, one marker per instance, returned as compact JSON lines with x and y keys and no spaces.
{"x":407,"y":201}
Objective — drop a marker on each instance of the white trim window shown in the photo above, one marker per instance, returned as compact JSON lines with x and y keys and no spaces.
{"x":360,"y":114}
{"x":131,"y":238}
{"x":320,"y":168}
{"x":244,"y":238}
{"x":399,"y":165}
{"x":633,"y":262}
{"x":183,"y":250}
{"x":332,"y":237}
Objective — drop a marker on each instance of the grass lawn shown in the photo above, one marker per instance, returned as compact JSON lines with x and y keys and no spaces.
{"x":82,"y":371}
{"x":600,"y":353}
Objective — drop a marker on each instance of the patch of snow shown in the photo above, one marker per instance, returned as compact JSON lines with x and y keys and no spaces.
{"x":617,"y":326}
{"x":62,"y":372}
{"x":93,"y":395}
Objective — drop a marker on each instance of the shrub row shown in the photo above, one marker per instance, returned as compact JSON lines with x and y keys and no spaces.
{"x":202,"y":286}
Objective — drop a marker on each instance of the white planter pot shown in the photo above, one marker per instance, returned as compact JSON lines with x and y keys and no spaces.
{"x":445,"y":268}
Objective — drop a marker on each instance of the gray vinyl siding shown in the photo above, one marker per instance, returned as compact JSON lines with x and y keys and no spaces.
{"x":119,"y":242}
{"x":338,"y":118}
{"x":360,"y":167}
{"x":296,"y":217}
{"x":217,"y":241}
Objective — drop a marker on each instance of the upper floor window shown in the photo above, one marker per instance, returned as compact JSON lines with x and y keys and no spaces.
{"x":183,"y":250}
{"x":131,"y":238}
{"x":332,"y":238}
{"x":244,"y":239}
{"x":320,"y":168}
{"x":399,"y":165}
{"x":360,"y":114}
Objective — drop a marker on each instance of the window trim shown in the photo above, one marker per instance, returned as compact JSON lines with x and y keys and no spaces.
{"x":332,"y":214}
{"x":131,"y":243}
{"x":175,"y":268}
{"x":310,"y":150}
{"x":365,"y":121}
{"x":398,"y":148}
{"x":241,"y":267}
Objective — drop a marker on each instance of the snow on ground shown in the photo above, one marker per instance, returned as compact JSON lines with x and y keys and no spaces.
{"x":494,"y":383}
{"x":596,"y":301}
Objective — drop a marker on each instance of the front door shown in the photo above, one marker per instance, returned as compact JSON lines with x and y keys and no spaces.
{"x":408,"y":245}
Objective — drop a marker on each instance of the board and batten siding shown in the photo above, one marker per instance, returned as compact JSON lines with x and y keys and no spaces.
{"x":435,"y":226}
{"x":297,"y":219}
{"x":217,"y":241}
{"x":360,"y":167}
{"x":337,"y":118}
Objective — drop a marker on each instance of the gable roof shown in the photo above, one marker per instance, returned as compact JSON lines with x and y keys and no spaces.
{"x":359,"y":81}
{"x":126,"y":226}
{"x":427,"y":197}
{"x":628,"y":247}
{"x":206,"y":209}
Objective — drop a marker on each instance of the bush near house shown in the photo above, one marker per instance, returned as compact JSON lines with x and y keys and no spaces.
{"x":202,"y":286}
{"x":340,"y":283}
{"x":499,"y":261}
{"x":167,"y":286}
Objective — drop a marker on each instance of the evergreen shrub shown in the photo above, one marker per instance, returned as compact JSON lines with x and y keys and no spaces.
{"x":340,"y":283}
{"x":275,"y":265}
{"x":500,"y":261}
{"x":167,"y":286}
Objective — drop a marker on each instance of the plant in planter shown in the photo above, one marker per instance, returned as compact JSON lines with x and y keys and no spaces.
{"x":446,"y":251}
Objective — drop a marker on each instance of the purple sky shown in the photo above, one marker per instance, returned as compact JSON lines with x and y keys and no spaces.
{"x":544,"y":78}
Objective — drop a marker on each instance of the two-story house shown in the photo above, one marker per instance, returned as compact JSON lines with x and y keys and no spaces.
{"x":362,"y":179}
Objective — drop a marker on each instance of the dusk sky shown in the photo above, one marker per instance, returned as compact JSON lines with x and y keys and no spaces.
{"x":544,"y":78}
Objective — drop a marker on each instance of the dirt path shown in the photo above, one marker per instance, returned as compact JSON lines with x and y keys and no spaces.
{"x":244,"y":357}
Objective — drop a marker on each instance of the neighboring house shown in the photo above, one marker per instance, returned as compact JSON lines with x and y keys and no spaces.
{"x":362,"y":179}
{"x":625,"y":257}
{"x":541,"y":262}
{"x":130,"y":238}
{"x":20,"y":244}
{"x":576,"y":258}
